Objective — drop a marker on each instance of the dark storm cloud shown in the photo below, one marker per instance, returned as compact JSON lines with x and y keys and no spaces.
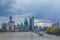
{"x":42,"y":9}
{"x":5,"y":6}
{"x":49,"y":10}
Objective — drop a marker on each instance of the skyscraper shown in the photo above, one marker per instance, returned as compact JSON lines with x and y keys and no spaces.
{"x":55,"y":25}
{"x":10,"y":19}
{"x":11,"y":24}
{"x":26,"y":24}
{"x":4,"y":26}
{"x":31,"y":25}
{"x":22,"y":27}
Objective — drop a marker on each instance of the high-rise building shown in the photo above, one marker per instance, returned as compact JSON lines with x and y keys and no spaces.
{"x":21,"y":26}
{"x":10,"y":19}
{"x":36,"y":28}
{"x":11,"y":24}
{"x":44,"y":28}
{"x":4,"y":26}
{"x":55,"y":25}
{"x":31,"y":24}
{"x":18,"y":26}
{"x":26,"y":24}
{"x":40,"y":28}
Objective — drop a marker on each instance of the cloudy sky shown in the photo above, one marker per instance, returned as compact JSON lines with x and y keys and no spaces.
{"x":45,"y":12}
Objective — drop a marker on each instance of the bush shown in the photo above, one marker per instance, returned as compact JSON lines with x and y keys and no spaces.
{"x":59,"y":30}
{"x":52,"y":30}
{"x":1,"y":30}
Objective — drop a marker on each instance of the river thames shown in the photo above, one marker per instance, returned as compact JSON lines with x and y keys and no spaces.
{"x":26,"y":36}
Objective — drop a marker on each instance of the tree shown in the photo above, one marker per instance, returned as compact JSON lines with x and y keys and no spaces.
{"x":52,"y":30}
{"x":1,"y":30}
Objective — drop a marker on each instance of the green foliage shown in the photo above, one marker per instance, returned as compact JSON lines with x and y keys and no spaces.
{"x":1,"y":30}
{"x":59,"y":32}
{"x":52,"y":30}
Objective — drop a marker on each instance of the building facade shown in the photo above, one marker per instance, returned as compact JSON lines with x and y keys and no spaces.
{"x":4,"y":26}
{"x":11,"y":25}
{"x":26,"y":25}
{"x":55,"y":25}
{"x":31,"y":24}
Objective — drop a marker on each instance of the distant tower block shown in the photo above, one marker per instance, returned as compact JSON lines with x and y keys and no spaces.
{"x":10,"y":18}
{"x":26,"y":24}
{"x":11,"y":24}
{"x":31,"y":27}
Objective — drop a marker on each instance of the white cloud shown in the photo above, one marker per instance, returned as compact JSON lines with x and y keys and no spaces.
{"x":45,"y":24}
{"x":41,"y":22}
